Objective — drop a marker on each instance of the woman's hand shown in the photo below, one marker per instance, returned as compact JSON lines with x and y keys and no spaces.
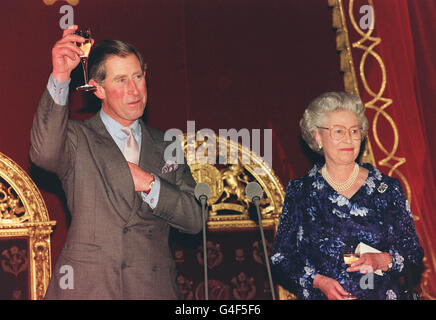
{"x":330,"y":287}
{"x":370,"y":262}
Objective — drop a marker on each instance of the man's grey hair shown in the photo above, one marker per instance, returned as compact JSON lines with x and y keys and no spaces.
{"x":315,"y":114}
{"x":105,"y":49}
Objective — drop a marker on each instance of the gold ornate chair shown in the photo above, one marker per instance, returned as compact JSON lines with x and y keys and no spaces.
{"x":25,"y":228}
{"x":236,"y":264}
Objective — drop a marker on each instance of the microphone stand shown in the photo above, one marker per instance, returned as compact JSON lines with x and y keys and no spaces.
{"x":256,"y":201}
{"x":203,"y":200}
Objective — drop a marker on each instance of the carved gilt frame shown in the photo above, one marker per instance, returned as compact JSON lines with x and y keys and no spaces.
{"x":23,"y":214}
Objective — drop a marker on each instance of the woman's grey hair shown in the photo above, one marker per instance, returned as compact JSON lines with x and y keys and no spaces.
{"x":319,"y":107}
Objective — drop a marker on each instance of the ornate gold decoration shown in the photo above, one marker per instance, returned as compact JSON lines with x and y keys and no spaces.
{"x":379,"y":102}
{"x":347,"y":64}
{"x":23,"y":214}
{"x":229,"y":208}
{"x":367,"y":43}
{"x":70,"y":2}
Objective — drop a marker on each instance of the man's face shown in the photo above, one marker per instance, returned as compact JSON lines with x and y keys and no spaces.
{"x":124,"y":92}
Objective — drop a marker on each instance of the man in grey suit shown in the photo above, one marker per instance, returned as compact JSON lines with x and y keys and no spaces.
{"x":122,"y":194}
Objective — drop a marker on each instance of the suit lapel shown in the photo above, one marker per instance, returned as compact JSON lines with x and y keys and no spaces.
{"x":151,"y":156}
{"x":113,"y":167}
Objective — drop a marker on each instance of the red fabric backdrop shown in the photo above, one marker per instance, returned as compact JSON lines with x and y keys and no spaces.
{"x":407,"y":51}
{"x":251,"y":64}
{"x":225,"y":64}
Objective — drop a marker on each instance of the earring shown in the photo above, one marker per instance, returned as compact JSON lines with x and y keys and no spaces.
{"x":319,"y":147}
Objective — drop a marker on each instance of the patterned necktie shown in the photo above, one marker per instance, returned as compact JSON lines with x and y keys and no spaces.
{"x":131,"y":148}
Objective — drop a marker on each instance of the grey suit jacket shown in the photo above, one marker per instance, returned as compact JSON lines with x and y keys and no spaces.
{"x":117,"y":246}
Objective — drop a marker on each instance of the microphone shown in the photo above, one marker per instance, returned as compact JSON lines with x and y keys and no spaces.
{"x":202,"y":194}
{"x":254,"y":192}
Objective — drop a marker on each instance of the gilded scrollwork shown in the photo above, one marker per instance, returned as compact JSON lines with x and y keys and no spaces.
{"x":229,"y":207}
{"x":23,"y":214}
{"x":11,"y":208}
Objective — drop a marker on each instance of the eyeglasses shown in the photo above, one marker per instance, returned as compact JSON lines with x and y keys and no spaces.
{"x":338,"y":132}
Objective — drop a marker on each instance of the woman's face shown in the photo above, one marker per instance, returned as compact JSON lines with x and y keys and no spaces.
{"x":341,"y":151}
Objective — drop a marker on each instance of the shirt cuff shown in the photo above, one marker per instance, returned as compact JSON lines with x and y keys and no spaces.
{"x":58,"y":90}
{"x":152,"y":197}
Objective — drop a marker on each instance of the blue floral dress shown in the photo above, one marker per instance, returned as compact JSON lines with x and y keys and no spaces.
{"x":317,"y":223}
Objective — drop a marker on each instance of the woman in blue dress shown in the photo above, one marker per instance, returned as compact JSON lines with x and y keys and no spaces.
{"x":339,"y":205}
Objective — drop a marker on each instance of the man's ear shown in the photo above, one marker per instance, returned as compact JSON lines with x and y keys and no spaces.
{"x":99,"y":92}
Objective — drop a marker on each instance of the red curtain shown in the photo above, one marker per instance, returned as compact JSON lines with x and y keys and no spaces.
{"x":251,"y":64}
{"x":423,"y":28}
{"x":407,"y":51}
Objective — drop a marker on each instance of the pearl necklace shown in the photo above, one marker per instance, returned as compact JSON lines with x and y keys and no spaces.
{"x":341,"y":186}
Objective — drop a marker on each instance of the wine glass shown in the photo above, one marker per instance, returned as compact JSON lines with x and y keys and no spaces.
{"x":86,"y":48}
{"x":349,"y":258}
